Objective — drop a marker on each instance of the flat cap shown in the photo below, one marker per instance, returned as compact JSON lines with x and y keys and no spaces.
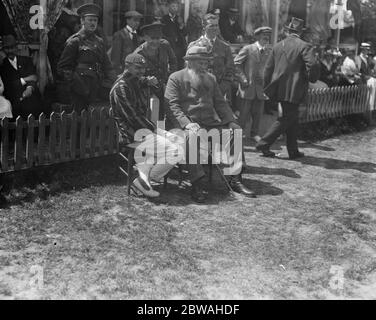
{"x":198,"y":53}
{"x":262,"y":30}
{"x":133,"y":14}
{"x":135,"y":59}
{"x":89,"y":9}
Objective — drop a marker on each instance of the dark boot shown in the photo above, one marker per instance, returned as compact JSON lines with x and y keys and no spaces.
{"x":238,"y":187}
{"x":197,"y":192}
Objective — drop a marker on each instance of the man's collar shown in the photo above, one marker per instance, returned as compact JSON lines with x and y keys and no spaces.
{"x":172,"y":17}
{"x":210,"y":40}
{"x":259,"y":45}
{"x":14,"y":60}
{"x":130,"y":29}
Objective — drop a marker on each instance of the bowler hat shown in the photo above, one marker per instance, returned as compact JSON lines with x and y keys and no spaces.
{"x":296,"y":25}
{"x":135,"y":59}
{"x":155,"y":27}
{"x":89,"y":9}
{"x":9,"y":40}
{"x":198,"y":53}
{"x":262,"y":30}
{"x":132,"y":14}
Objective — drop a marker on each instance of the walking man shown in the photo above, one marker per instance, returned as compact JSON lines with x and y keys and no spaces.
{"x":289,"y":69}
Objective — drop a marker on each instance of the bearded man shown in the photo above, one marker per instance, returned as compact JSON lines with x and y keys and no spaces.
{"x":194,"y":101}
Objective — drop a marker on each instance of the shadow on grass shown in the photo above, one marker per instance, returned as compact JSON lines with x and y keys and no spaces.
{"x":271,"y":172}
{"x":335,"y":164}
{"x":262,"y":188}
{"x":308,"y":145}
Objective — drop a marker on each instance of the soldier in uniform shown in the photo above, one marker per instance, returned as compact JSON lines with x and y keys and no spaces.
{"x":222,"y":65}
{"x":84,"y":63}
{"x":160,"y":59}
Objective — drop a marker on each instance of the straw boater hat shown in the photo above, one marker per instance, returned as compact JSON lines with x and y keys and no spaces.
{"x":263,"y":30}
{"x":233,"y":12}
{"x":365,"y":45}
{"x":89,"y":9}
{"x":197,"y":53}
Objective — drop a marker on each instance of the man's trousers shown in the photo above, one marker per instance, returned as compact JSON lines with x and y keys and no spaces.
{"x":289,"y":124}
{"x":251,"y":110}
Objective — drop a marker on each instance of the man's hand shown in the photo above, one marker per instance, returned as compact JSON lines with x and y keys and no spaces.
{"x":244,"y":84}
{"x":193,"y":127}
{"x":152,"y":81}
{"x":27,"y":93}
{"x":234,"y":126}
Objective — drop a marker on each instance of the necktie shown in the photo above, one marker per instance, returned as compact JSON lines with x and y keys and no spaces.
{"x":262,"y":50}
{"x":135,"y":39}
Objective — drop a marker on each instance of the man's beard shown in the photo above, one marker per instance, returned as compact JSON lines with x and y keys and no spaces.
{"x":200,"y":79}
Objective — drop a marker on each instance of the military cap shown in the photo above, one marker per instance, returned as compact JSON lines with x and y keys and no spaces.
{"x":133,"y":14}
{"x":9,"y":40}
{"x":135,"y":59}
{"x":89,"y":9}
{"x":154,"y":28}
{"x":198,"y":53}
{"x":262,"y":30}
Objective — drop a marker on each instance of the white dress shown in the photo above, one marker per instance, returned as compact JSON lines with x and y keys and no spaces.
{"x":5,"y":106}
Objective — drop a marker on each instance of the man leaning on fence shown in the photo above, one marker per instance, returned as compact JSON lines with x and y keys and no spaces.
{"x":129,"y":103}
{"x":289,"y":69}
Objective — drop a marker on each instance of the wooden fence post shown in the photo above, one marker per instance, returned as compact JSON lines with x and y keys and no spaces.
{"x":18,"y":152}
{"x":41,"y":139}
{"x":30,"y":141}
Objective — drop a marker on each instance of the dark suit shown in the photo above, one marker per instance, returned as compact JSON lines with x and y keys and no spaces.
{"x":229,"y":32}
{"x":13,"y":88}
{"x":122,"y":45}
{"x":176,"y":37}
{"x":289,"y":69}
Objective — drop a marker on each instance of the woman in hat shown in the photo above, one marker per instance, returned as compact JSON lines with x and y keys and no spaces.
{"x":5,"y":107}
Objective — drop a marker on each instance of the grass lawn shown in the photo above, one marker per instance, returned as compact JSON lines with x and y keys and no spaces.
{"x":314,"y":221}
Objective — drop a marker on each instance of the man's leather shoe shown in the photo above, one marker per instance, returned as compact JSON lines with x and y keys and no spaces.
{"x":197,"y":193}
{"x":297,"y":155}
{"x":265,"y":151}
{"x":238,"y":187}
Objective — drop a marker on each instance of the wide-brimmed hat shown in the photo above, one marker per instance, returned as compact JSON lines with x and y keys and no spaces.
{"x":132,"y":14}
{"x":89,"y":9}
{"x":261,"y":30}
{"x":9,"y":40}
{"x":135,"y":59}
{"x":296,"y":25}
{"x":198,"y":53}
{"x":155,"y":28}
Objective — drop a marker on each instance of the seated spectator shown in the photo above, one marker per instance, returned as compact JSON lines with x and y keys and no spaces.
{"x":129,"y":103}
{"x":20,"y":81}
{"x":230,"y":28}
{"x":194,"y":101}
{"x":328,"y":66}
{"x":5,"y":107}
{"x":350,"y":74}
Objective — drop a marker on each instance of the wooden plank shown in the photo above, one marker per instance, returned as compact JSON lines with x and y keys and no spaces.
{"x":73,"y":135}
{"x":41,"y":139}
{"x":92,"y":130}
{"x":30,"y":141}
{"x":83,"y":133}
{"x":52,"y":137}
{"x":18,"y":152}
{"x":63,"y":136}
{"x":102,"y":130}
{"x":4,"y":145}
